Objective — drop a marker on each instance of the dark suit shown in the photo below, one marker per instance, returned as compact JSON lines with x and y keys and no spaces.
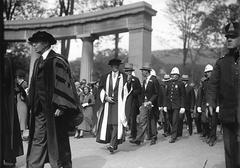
{"x":174,"y":100}
{"x":224,"y":84}
{"x":149,"y":115}
{"x":132,"y":104}
{"x":201,"y":102}
{"x":189,"y":107}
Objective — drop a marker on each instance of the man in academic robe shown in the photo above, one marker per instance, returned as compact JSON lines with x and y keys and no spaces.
{"x":53,"y":104}
{"x":132,"y":102}
{"x":149,"y":112}
{"x":112,"y":118}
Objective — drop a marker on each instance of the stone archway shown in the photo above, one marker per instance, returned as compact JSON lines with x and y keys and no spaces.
{"x":135,"y":18}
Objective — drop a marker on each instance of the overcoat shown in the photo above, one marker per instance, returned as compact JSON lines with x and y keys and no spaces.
{"x":224,"y":84}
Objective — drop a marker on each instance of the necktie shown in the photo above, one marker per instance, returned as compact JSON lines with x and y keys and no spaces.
{"x":114,"y":74}
{"x":40,"y":64}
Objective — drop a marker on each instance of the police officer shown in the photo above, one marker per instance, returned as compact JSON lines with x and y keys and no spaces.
{"x":189,"y":105}
{"x":202,"y":108}
{"x":174,"y":101}
{"x":166,"y":123}
{"x":224,"y":84}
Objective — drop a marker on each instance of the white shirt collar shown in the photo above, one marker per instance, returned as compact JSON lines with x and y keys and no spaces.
{"x":45,"y":54}
{"x":114,"y":73}
{"x":148,"y":78}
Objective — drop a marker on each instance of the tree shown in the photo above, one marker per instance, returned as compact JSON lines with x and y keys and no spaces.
{"x":19,"y":10}
{"x":22,"y":9}
{"x":186,"y":17}
{"x":66,"y":8}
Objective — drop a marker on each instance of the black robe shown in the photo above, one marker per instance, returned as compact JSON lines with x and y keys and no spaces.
{"x":11,"y":135}
{"x":60,"y":93}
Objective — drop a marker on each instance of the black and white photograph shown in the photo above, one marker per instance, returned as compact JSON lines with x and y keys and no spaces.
{"x":120,"y":84}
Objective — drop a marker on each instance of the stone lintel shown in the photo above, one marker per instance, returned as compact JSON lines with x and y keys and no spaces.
{"x":81,"y":19}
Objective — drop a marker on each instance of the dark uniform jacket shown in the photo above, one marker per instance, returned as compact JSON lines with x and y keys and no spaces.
{"x":201,"y":95}
{"x":224,"y":84}
{"x":190,"y":98}
{"x":174,"y":95}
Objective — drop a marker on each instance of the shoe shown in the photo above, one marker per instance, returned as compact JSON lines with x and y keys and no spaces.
{"x":212,"y":143}
{"x":132,"y":137}
{"x":115,"y":147}
{"x":172,"y":140}
{"x":76,"y":134}
{"x":165,"y":134}
{"x":208,"y":140}
{"x":110,"y":148}
{"x":153,"y":142}
{"x":137,"y":142}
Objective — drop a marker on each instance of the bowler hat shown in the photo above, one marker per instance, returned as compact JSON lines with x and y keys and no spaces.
{"x":128,"y":67}
{"x":146,"y":66}
{"x":185,"y":77}
{"x":42,"y":36}
{"x":232,"y":30}
{"x":114,"y":61}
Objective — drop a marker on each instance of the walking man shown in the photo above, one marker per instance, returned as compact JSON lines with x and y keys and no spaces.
{"x":174,"y":101}
{"x":133,"y":86}
{"x":53,"y":104}
{"x":149,"y":107}
{"x":189,"y":105}
{"x":112,"y":119}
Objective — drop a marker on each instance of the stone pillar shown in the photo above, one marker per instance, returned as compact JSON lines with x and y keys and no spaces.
{"x":86,"y":70}
{"x":139,"y":48}
{"x":33,"y":58}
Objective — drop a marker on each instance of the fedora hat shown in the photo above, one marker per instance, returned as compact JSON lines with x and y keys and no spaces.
{"x":146,"y":66}
{"x":42,"y":36}
{"x":128,"y":67}
{"x":114,"y":61}
{"x":185,"y":77}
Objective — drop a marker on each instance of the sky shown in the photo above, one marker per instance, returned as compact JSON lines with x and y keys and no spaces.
{"x":165,"y":34}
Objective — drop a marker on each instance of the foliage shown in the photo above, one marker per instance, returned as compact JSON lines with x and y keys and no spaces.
{"x":20,"y":56}
{"x":22,"y":9}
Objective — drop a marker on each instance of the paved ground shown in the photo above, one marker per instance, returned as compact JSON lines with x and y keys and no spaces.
{"x":187,"y":152}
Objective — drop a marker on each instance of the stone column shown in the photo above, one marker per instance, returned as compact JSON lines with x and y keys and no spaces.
{"x":33,"y":58}
{"x":139,"y":48}
{"x":86,"y":70}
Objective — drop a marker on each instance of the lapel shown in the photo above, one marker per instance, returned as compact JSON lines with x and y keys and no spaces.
{"x":110,"y":81}
{"x":149,"y":81}
{"x":117,"y":82}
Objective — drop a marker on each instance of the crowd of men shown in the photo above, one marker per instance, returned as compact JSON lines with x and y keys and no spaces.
{"x":125,"y":103}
